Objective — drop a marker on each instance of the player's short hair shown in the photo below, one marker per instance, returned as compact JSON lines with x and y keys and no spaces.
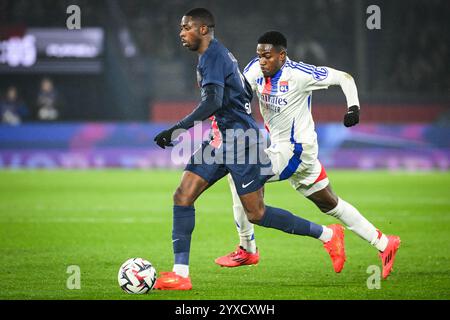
{"x":275,"y":38}
{"x":204,"y":16}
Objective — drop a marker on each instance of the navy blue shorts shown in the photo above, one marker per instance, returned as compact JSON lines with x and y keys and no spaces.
{"x":249,"y":174}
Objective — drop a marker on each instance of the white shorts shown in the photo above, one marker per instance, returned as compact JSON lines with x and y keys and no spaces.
{"x":299,"y":165}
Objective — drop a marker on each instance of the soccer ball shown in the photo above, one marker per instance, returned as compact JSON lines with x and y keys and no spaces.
{"x":137,"y":275}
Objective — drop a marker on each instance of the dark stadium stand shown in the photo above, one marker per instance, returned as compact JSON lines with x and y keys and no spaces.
{"x":397,"y":58}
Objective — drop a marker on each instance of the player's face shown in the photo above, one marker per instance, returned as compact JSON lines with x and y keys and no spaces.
{"x":270,"y":59}
{"x":190,"y":33}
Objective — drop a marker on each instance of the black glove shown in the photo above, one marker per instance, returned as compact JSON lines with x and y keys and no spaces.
{"x":352,"y":116}
{"x":164,"y":138}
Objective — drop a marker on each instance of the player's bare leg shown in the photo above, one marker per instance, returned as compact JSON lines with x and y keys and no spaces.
{"x":325,"y":199}
{"x":190,"y":188}
{"x":258,"y":213}
{"x":246,"y":252}
{"x":329,"y":203}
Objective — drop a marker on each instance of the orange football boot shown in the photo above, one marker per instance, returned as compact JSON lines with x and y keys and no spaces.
{"x":240,"y":257}
{"x":388,"y":255}
{"x":336,"y":248}
{"x":172,"y":281}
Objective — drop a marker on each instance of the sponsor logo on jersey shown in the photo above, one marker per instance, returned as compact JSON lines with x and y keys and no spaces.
{"x":272,"y":102}
{"x":275,"y":100}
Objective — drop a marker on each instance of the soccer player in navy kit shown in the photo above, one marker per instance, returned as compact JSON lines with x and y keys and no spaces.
{"x":225,"y":95}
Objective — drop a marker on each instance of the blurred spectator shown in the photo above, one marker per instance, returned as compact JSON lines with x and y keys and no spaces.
{"x":405,"y":58}
{"x":48,"y":102}
{"x":12,"y":108}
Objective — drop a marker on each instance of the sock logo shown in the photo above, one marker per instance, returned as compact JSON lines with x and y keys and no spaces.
{"x":379,"y":234}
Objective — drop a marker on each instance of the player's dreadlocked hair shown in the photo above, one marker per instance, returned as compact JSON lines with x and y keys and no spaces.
{"x":275,"y":38}
{"x":202,"y":15}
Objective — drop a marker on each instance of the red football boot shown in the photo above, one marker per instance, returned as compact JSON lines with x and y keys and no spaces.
{"x":388,"y":255}
{"x":240,"y":257}
{"x":336,"y":248}
{"x":172,"y":281}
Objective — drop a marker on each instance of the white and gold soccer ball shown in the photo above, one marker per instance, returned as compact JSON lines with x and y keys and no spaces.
{"x":137,"y":275}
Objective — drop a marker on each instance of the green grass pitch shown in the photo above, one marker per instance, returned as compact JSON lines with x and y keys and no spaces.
{"x":96,"y":220}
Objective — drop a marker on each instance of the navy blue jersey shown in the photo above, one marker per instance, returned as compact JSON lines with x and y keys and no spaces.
{"x":245,"y":158}
{"x":217,"y":65}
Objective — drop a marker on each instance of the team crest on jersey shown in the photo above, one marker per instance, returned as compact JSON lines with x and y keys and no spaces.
{"x":284,"y":86}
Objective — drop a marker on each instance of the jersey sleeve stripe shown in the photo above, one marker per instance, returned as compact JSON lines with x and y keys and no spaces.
{"x":299,"y":68}
{"x":310,"y":67}
{"x":314,"y":69}
{"x":307,"y":70}
{"x":250,"y":64}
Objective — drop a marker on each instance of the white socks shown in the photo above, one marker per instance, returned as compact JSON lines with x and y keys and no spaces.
{"x":244,"y":227}
{"x":381,"y":242}
{"x":354,"y":221}
{"x":181,"y":270}
{"x":248,"y":243}
{"x":344,"y":211}
{"x":326,"y":235}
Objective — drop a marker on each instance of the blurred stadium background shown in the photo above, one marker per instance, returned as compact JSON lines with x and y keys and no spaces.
{"x":95,"y":97}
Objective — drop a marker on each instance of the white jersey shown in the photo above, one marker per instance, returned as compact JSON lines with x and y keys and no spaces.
{"x":285,"y":98}
{"x":285,"y":104}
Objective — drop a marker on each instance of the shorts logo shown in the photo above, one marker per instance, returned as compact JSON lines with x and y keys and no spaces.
{"x":284,"y":86}
{"x":247,"y":184}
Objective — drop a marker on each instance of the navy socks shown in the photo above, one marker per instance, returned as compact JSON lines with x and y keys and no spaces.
{"x":285,"y":221}
{"x":184,"y":222}
{"x":183,"y":225}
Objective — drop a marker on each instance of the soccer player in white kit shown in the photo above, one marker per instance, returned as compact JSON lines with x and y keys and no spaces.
{"x":284,"y":90}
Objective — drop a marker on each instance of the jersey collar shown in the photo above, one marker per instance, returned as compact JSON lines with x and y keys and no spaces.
{"x":286,"y":72}
{"x":282,"y":72}
{"x":212,"y":44}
